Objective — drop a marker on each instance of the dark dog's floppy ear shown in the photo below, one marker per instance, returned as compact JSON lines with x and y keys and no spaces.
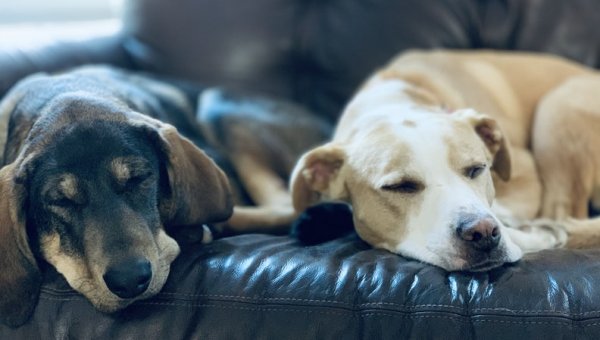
{"x":20,"y":277}
{"x":199,"y":191}
{"x":490,"y":133}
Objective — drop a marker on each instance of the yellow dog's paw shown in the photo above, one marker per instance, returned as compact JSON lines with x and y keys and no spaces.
{"x":548,"y":233}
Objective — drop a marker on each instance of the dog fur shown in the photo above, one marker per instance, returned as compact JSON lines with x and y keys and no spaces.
{"x":460,"y":159}
{"x":465,"y":159}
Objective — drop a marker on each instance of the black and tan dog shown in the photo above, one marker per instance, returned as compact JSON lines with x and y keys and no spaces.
{"x":96,"y":180}
{"x":92,"y":184}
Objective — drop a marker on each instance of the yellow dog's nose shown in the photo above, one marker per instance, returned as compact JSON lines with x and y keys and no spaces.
{"x":482,"y":234}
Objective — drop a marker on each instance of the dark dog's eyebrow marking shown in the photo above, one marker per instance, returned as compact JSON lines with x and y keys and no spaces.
{"x":68,"y":186}
{"x":123,"y":168}
{"x":120,"y":169}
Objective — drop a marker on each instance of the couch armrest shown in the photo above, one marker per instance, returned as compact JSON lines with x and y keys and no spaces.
{"x":54,"y":53}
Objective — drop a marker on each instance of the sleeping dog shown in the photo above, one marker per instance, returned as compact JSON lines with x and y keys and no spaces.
{"x":94,"y":182}
{"x":465,"y":160}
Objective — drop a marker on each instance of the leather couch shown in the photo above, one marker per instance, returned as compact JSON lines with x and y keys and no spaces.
{"x":315,"y":53}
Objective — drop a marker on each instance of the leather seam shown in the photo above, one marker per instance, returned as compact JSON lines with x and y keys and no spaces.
{"x":369,"y":304}
{"x":398,"y":313}
{"x":464,"y":318}
{"x":475,"y":318}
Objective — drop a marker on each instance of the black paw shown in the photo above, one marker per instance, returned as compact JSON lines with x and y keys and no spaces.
{"x":322,"y":223}
{"x":594,"y":210}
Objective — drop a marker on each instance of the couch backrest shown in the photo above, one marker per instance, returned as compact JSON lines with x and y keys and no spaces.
{"x":317,"y":52}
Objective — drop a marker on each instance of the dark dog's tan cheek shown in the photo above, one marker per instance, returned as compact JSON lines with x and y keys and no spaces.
{"x":78,"y":275}
{"x":72,"y":267}
{"x":167,"y":247}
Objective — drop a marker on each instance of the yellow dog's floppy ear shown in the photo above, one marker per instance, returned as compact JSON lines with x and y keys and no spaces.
{"x":20,"y":278}
{"x":490,"y":133}
{"x":198,"y":190}
{"x":316,"y":176}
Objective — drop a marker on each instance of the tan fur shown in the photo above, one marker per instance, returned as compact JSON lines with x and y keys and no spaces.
{"x":565,"y":143}
{"x":120,"y":169}
{"x":273,"y":211}
{"x":539,"y":128}
{"x":74,"y":269}
{"x":68,"y":186}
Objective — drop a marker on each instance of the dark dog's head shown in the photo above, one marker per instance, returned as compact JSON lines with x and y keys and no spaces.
{"x":93,"y":197}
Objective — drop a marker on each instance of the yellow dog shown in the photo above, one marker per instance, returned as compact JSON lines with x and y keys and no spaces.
{"x":465,"y":159}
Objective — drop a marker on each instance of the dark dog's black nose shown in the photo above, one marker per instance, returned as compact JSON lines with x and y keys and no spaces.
{"x":130,"y":278}
{"x":483,"y":234}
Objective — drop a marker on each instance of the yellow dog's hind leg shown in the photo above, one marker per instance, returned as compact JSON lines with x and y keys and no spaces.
{"x":566,"y":147}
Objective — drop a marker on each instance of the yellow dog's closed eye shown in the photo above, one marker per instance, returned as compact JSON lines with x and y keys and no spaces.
{"x":405,"y":187}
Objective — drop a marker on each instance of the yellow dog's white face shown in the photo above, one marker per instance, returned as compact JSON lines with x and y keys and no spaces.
{"x":419,"y":182}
